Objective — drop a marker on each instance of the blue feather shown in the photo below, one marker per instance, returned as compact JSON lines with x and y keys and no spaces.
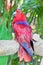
{"x":22,"y":22}
{"x":25,"y":46}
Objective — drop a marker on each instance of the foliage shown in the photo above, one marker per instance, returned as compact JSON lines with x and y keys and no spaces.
{"x":6,"y":19}
{"x":35,"y":8}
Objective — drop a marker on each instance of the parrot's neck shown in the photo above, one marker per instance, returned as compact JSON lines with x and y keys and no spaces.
{"x":22,"y":22}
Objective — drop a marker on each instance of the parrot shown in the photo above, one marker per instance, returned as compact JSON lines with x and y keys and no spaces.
{"x":23,"y":35}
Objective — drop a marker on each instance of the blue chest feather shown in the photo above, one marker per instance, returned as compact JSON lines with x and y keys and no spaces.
{"x":22,"y":22}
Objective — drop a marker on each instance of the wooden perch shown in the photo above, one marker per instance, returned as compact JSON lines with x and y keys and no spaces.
{"x":8,"y":47}
{"x":38,"y":45}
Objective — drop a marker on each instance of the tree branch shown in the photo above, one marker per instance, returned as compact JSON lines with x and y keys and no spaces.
{"x":8,"y":47}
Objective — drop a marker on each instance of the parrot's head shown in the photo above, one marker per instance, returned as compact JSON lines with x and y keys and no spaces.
{"x":19,"y":16}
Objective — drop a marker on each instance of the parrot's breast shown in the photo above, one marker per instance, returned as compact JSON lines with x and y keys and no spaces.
{"x":23,"y":32}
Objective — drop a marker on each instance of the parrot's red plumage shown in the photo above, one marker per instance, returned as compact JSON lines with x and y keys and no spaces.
{"x":19,"y":17}
{"x":23,"y":34}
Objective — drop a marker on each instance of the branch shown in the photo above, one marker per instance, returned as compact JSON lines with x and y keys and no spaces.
{"x":8,"y":47}
{"x":38,"y":45}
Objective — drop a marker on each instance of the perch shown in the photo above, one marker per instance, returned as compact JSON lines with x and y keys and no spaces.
{"x":7,"y":48}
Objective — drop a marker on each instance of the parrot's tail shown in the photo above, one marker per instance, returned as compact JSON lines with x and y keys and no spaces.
{"x":27,"y":49}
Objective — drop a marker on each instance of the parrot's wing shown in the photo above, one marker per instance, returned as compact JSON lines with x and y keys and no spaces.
{"x":28,"y":50}
{"x":29,"y":36}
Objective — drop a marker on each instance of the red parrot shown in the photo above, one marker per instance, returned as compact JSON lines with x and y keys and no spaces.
{"x":23,"y":33}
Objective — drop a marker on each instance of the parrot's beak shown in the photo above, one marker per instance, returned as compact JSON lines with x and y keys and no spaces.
{"x":14,"y":13}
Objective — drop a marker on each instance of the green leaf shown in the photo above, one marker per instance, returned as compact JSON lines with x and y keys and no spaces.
{"x":15,"y":59}
{"x":4,"y":33}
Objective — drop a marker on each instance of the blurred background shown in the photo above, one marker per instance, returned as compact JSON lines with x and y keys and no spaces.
{"x":33,"y":9}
